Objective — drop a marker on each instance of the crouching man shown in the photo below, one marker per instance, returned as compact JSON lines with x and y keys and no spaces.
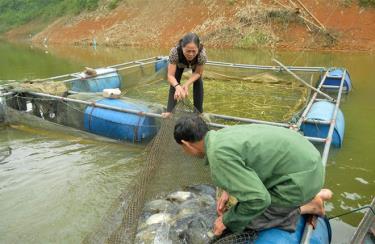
{"x":274,"y":173}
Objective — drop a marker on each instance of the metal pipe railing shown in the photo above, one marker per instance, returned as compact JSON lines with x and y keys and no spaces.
{"x":308,"y":227}
{"x":112,"y":66}
{"x":6,"y":94}
{"x":132,"y":111}
{"x":109,"y":72}
{"x":246,"y":120}
{"x":333,"y":122}
{"x":308,"y":107}
{"x":154,"y":115}
{"x":315,"y":139}
{"x":266,"y":67}
{"x":318,"y":122}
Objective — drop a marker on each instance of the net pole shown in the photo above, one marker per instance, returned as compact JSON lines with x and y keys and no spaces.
{"x":304,"y":82}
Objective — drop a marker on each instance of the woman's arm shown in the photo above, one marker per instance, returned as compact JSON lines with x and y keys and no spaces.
{"x":171,"y":74}
{"x":194,"y":77}
{"x":179,"y":93}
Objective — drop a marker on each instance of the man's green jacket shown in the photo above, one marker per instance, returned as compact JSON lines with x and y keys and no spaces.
{"x":262,"y":165}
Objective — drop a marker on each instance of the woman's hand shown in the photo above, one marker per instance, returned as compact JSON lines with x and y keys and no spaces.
{"x":179,"y":94}
{"x":185,"y":87}
{"x":220,"y":204}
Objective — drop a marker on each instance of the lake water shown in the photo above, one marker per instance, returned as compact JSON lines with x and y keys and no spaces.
{"x":55,"y":185}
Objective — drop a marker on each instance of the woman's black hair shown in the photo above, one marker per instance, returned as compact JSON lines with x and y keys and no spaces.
{"x":190,"y":128}
{"x":190,"y":37}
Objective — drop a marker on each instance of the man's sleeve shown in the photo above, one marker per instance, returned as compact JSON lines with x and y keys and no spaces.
{"x":231,"y":173}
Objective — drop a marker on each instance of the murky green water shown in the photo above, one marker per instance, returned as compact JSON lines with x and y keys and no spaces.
{"x":55,"y":186}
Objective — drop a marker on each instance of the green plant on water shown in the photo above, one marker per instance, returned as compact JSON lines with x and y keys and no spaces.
{"x":367,"y":3}
{"x":254,"y":39}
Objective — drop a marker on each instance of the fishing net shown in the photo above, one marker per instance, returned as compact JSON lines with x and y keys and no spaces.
{"x":247,"y":93}
{"x":164,"y":167}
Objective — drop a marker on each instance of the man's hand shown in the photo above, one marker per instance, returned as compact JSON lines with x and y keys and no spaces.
{"x":219,"y":227}
{"x":220,"y":204}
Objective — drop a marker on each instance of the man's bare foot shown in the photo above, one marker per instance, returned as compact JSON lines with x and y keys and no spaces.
{"x":316,"y":206}
{"x":325,"y":194}
{"x":166,"y":115}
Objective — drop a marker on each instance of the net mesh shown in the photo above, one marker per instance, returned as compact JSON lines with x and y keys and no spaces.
{"x":246,"y":93}
{"x":164,"y":167}
{"x":163,"y":157}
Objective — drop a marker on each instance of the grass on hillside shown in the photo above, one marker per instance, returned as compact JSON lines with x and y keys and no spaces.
{"x":17,"y":12}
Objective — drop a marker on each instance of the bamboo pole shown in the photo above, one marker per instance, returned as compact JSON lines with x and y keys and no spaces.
{"x":299,"y":15}
{"x":313,"y":16}
{"x":304,"y":82}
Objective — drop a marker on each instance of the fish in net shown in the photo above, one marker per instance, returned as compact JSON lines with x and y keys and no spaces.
{"x":167,"y":175}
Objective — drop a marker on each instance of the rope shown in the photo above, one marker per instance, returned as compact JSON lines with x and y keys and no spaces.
{"x":353,"y":211}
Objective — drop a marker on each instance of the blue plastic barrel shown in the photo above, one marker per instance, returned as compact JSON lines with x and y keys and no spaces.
{"x":320,"y":235}
{"x":119,"y":125}
{"x":162,"y":63}
{"x":334,"y":77}
{"x":323,"y":111}
{"x":106,"y":78}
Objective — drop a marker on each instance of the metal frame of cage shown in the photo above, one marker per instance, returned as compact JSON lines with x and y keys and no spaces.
{"x":279,"y":68}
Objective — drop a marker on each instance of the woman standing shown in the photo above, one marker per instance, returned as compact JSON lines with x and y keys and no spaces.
{"x":188,"y":54}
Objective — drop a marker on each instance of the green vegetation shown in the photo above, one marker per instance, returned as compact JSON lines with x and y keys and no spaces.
{"x":367,"y":3}
{"x":17,"y":12}
{"x":113,"y":4}
{"x":256,"y":38}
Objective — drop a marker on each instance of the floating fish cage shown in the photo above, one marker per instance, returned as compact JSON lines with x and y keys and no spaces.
{"x":105,"y":78}
{"x":83,"y":106}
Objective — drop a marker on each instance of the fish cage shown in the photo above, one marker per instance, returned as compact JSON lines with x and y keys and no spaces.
{"x":305,"y":99}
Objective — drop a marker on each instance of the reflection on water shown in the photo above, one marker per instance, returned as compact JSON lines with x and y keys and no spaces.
{"x":50,"y":183}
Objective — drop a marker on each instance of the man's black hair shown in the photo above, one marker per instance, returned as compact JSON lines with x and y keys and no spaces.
{"x":190,"y":128}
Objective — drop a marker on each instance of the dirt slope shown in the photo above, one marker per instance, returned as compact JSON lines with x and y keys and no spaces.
{"x":220,"y":23}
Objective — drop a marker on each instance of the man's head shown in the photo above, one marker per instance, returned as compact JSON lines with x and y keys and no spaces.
{"x":189,"y":132}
